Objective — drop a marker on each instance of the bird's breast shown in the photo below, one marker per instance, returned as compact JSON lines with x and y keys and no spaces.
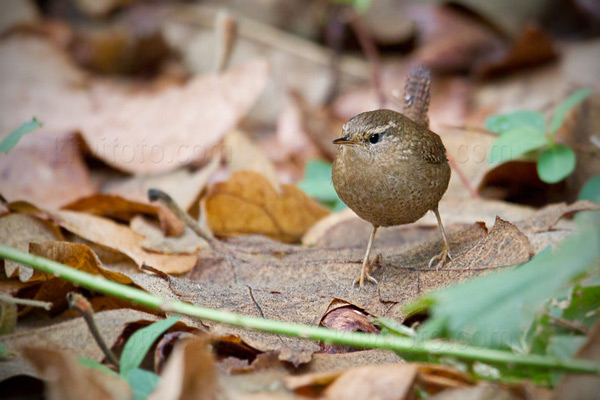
{"x":388,"y":191}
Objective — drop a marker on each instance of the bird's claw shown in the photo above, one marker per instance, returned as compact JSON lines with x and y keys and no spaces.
{"x":442,"y":257}
{"x":364,"y":274}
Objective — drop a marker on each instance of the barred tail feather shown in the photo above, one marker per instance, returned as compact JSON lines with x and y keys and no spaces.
{"x":417,"y":95}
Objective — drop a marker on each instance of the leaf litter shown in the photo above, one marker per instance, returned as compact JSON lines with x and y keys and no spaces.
{"x":108,"y":227}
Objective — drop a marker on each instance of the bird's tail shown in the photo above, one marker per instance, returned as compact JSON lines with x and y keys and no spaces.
{"x":417,"y":95}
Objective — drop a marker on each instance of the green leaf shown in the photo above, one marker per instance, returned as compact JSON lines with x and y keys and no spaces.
{"x":86,"y":362}
{"x":142,"y":382}
{"x":591,"y":190}
{"x":9,"y":142}
{"x":556,"y":163}
{"x":531,"y":120}
{"x":515,"y":143}
{"x":317,"y":183}
{"x":585,"y":305}
{"x":495,"y":310}
{"x":140,"y":342}
{"x":565,"y":346}
{"x":563,"y":108}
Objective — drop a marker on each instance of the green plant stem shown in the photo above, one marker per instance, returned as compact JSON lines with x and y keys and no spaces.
{"x":354,"y":339}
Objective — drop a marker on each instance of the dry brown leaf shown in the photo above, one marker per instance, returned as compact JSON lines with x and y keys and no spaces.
{"x":189,"y":374}
{"x":242,"y":154}
{"x":504,"y":246}
{"x":17,"y":231}
{"x":248,"y":204}
{"x":75,"y":255}
{"x":121,"y":238}
{"x":45,"y":169}
{"x":545,"y":219}
{"x":37,"y":79}
{"x":66,"y":379}
{"x":156,"y":241}
{"x":377,"y":382}
{"x":111,"y":206}
{"x":78,"y":256}
{"x":200,"y":113}
{"x":53,"y":336}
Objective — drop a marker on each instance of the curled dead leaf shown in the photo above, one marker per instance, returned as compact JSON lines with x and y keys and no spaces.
{"x":66,"y":379}
{"x":17,"y":230}
{"x":248,"y":204}
{"x":189,"y":374}
{"x":119,"y":237}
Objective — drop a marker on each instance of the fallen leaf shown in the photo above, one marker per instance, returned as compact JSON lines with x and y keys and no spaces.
{"x":242,"y":154}
{"x":121,"y":238}
{"x":248,"y":204}
{"x":111,"y":206}
{"x":78,"y":256}
{"x":66,"y":379}
{"x":75,"y":255}
{"x":17,"y":230}
{"x":45,"y":169}
{"x":156,"y":241}
{"x":54,"y":90}
{"x":200,"y":113}
{"x":505,"y":245}
{"x":347,"y":319}
{"x":72,"y":335}
{"x":545,"y":219}
{"x":378,"y":382}
{"x":189,"y":374}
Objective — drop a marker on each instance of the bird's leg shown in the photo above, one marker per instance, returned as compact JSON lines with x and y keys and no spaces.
{"x":364,"y":270}
{"x":445,"y":254}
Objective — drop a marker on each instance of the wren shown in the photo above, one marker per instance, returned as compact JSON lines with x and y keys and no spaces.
{"x":391,"y":169}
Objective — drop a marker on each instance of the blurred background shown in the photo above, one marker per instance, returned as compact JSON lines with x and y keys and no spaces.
{"x":130,"y":87}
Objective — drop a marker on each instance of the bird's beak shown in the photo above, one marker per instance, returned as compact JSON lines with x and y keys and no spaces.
{"x":342,"y":140}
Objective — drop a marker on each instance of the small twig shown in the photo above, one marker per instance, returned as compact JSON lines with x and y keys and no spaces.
{"x":80,"y":303}
{"x":46,"y":305}
{"x":215,"y":245}
{"x":260,"y":311}
{"x":563,"y":323}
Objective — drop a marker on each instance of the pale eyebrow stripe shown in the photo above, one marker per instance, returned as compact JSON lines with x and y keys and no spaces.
{"x":385,"y":127}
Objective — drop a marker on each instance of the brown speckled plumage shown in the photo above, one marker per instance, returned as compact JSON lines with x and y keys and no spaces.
{"x":390,"y":170}
{"x":396,"y":180}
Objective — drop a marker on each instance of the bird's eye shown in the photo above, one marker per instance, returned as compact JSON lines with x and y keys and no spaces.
{"x":374,"y":138}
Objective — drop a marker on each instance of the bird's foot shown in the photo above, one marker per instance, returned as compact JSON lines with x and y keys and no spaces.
{"x":364,"y":273}
{"x":442,"y":257}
